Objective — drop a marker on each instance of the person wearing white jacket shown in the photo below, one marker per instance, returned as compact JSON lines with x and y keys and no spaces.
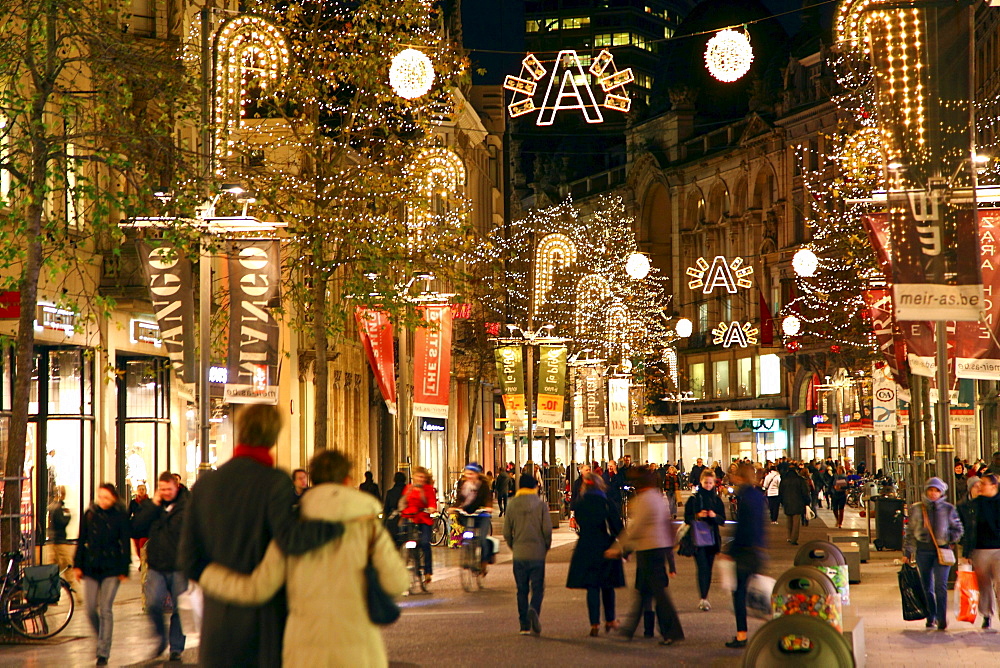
{"x":772,"y":482}
{"x":328,"y":623}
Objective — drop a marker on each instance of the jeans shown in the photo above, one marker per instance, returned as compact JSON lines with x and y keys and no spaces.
{"x":773,"y":503}
{"x":99,"y":598}
{"x":935,"y":579}
{"x":704,"y":558}
{"x":987,"y":566}
{"x":594,"y":597}
{"x":158,"y":585}
{"x":529,"y":575}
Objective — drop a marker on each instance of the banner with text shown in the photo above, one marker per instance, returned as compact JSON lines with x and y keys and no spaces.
{"x":884,"y":412}
{"x":978,"y":354}
{"x":254,"y":275}
{"x":171,"y":289}
{"x":432,"y":363}
{"x":510,"y":374}
{"x":637,"y":413}
{"x":376,"y":337}
{"x":618,"y":407}
{"x":551,"y":386}
{"x":594,"y":402}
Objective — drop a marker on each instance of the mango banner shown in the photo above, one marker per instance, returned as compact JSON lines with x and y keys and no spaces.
{"x":254,"y":276}
{"x":551,"y":386}
{"x":432,"y":363}
{"x":171,"y":290}
{"x":510,"y":375}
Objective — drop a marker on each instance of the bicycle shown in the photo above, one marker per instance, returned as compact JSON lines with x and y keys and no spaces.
{"x":471,"y":545}
{"x":29,"y":618}
{"x":414,"y":556}
{"x":439,"y":530}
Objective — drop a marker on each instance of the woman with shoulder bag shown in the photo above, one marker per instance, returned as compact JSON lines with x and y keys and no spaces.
{"x":704,"y":513}
{"x":600,"y":523}
{"x":933,"y":527}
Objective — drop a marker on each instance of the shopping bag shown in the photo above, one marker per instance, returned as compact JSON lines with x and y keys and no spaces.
{"x":911,"y":591}
{"x":759,"y":590}
{"x":966,"y":594}
{"x":726,"y":568}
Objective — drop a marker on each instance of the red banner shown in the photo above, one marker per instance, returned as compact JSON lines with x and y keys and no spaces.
{"x":376,"y":336}
{"x":432,"y":363}
{"x":978,"y":355}
{"x":888,"y":336}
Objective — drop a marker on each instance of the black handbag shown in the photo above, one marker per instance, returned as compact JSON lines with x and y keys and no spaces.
{"x":382,"y":608}
{"x":911,"y":590}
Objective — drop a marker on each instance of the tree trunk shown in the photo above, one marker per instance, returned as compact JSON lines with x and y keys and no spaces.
{"x":321,"y":368}
{"x":473,"y":410}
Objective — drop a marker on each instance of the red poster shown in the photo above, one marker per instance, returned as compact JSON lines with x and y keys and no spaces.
{"x":978,"y":355}
{"x":432,"y":363}
{"x":376,"y":336}
{"x":887,"y":335}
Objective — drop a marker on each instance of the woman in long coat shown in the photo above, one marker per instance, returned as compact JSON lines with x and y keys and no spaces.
{"x":328,"y":623}
{"x":600,"y":524}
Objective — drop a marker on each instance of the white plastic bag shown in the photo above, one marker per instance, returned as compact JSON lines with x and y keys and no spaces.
{"x":759,"y":590}
{"x":193,"y":600}
{"x":726,"y":569}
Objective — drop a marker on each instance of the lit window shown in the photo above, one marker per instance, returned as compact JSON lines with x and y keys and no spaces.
{"x":4,"y":146}
{"x":696,"y":379}
{"x":71,"y":183}
{"x":602,"y":40}
{"x":744,"y":380}
{"x":620,"y":38}
{"x":721,"y":377}
{"x":575,"y":23}
{"x":668,"y":32}
{"x":703,"y":317}
{"x":531,"y":26}
{"x":769,"y":380}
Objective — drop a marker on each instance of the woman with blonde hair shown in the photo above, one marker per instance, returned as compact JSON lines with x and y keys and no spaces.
{"x":419,"y":500}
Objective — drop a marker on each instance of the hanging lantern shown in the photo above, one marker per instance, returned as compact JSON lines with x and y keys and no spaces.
{"x":637,"y":266}
{"x":411,"y":74}
{"x":728,"y":55}
{"x":805,"y":262}
{"x":791,"y":325}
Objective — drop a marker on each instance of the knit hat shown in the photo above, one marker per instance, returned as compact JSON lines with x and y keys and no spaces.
{"x":937,"y":483}
{"x":528,"y":481}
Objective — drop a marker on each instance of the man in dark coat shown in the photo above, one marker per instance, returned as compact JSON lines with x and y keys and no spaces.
{"x":501,"y":486}
{"x":794,"y":493}
{"x":234,"y":513}
{"x":696,"y":470}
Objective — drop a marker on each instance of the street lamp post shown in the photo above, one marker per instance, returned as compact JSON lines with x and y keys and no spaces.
{"x":680,"y":398}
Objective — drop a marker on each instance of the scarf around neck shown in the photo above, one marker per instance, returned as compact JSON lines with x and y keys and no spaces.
{"x":259,"y":455}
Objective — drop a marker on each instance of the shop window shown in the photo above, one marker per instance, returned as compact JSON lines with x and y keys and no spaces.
{"x":143,"y":422}
{"x":769,"y":376}
{"x":703,"y":318}
{"x":720,"y":377}
{"x":744,"y":378}
{"x":696,"y":379}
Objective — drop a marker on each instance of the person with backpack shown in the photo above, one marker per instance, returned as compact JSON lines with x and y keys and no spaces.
{"x":102,"y":561}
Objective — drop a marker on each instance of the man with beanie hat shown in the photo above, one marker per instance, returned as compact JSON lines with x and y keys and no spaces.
{"x":933,"y":524}
{"x":528,"y":531}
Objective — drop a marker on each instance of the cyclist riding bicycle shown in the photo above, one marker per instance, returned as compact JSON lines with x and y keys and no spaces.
{"x":474,"y":498}
{"x":418,"y":501}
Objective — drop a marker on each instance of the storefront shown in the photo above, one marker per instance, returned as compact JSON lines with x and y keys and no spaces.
{"x":143,"y":426}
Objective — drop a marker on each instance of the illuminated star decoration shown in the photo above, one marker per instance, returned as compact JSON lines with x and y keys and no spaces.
{"x":728,"y":55}
{"x":734,"y":333}
{"x":569,"y":87}
{"x":729,"y":275}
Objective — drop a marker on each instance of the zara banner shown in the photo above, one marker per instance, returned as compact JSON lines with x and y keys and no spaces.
{"x":254,"y":275}
{"x":171,"y":289}
{"x":432,"y":363}
{"x":376,"y":336}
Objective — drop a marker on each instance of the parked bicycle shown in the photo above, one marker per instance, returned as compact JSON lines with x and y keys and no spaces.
{"x":36,"y":602}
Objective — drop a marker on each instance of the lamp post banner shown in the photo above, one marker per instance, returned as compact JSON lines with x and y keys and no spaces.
{"x":636,"y":412}
{"x":884,"y":399}
{"x":978,"y":355}
{"x":171,"y":289}
{"x":376,"y":336}
{"x":510,"y":372}
{"x":432,"y":363}
{"x":254,"y":276}
{"x":594,"y":402}
{"x":551,"y":386}
{"x":618,"y":407}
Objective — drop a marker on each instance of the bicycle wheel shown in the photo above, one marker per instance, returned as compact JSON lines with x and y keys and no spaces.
{"x":439,"y":530}
{"x":39,"y":620}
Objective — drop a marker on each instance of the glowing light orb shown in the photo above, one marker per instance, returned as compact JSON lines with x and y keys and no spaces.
{"x":728,"y":55}
{"x":684,"y":328}
{"x":411,"y":74}
{"x":637,"y":266}
{"x":805,"y":262}
{"x":791,"y":325}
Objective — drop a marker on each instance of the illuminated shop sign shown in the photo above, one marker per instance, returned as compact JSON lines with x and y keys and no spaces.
{"x":144,"y":331}
{"x":734,"y":333}
{"x":48,"y":316}
{"x":568,"y":87}
{"x":432,"y":424}
{"x":720,"y":274}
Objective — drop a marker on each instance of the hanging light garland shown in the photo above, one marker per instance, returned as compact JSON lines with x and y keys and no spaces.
{"x":411,"y":74}
{"x":728,"y":55}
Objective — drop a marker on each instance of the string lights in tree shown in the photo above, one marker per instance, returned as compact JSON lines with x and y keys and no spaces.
{"x":411,"y":74}
{"x":728,"y":55}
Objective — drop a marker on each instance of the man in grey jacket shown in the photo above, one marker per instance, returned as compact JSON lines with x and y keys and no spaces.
{"x":528,"y":532}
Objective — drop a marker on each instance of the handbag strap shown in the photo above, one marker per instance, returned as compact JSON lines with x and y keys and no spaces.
{"x":930,"y":530}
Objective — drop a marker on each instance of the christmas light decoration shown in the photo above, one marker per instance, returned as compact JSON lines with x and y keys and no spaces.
{"x":555,"y":252}
{"x":805,"y":262}
{"x":435,"y":173}
{"x":591,"y":291}
{"x":720,"y":273}
{"x":733,"y":333}
{"x":411,"y":74}
{"x":862,"y":156}
{"x":684,"y":328}
{"x":791,"y":325}
{"x":637,"y":266}
{"x":568,"y":87}
{"x":728,"y":55}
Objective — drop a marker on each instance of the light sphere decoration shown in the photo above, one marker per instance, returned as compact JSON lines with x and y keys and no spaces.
{"x":411,"y":74}
{"x":791,"y":325}
{"x":637,"y":266}
{"x":805,"y":262}
{"x":684,"y":328}
{"x":728,"y":55}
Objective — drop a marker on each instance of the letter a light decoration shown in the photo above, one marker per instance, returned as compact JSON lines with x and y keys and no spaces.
{"x":732,"y":333}
{"x":720,"y":274}
{"x":568,"y":87}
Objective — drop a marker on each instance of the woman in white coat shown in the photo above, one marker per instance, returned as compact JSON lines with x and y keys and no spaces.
{"x":328,"y":622}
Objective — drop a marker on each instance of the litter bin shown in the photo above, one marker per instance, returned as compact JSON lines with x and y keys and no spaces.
{"x":828,"y":558}
{"x":888,"y":523}
{"x":797,"y":641}
{"x":806,"y":590}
